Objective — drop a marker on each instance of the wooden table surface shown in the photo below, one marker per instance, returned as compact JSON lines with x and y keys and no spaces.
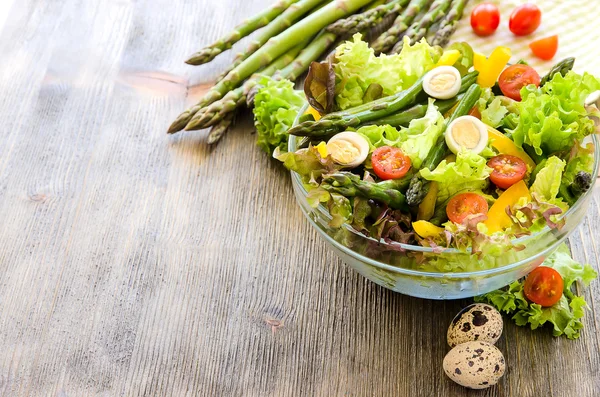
{"x":137,"y":264}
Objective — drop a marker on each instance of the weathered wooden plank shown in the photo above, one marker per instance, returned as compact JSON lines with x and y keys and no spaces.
{"x":132,"y":263}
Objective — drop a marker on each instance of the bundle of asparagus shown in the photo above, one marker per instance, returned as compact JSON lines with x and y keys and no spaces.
{"x":277,"y":51}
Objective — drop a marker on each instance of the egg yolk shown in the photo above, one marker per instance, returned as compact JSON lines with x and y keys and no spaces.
{"x":466,"y":134}
{"x":342,"y":151}
{"x":442,"y":82}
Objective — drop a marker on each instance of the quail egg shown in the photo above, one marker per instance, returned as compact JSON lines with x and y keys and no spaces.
{"x":476,"y":365}
{"x":442,"y":82}
{"x":475,"y":322}
{"x":466,"y":133}
{"x":348,"y":149}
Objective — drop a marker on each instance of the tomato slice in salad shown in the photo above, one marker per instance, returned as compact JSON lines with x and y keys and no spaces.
{"x":515,"y":77}
{"x":390,"y":162}
{"x":507,"y":170}
{"x":462,"y":205}
{"x":543,"y":286}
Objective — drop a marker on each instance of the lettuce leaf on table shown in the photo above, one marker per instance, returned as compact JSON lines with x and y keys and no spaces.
{"x":357,"y":68}
{"x":565,"y":316}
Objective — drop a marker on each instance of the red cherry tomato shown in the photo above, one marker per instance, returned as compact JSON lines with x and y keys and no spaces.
{"x":515,"y":77}
{"x":545,"y":48}
{"x":543,"y":286}
{"x":485,"y":19}
{"x":508,"y":170}
{"x":465,"y":204}
{"x":525,"y":19}
{"x":390,"y":162}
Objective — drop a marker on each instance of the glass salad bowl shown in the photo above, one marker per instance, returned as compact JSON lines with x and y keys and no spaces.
{"x":427,"y":273}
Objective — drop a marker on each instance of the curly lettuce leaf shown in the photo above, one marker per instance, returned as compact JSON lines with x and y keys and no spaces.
{"x":581,"y":159}
{"x":381,"y":135}
{"x":308,"y":163}
{"x":276,"y":105}
{"x":422,"y":134}
{"x":416,"y":141}
{"x":547,"y":179}
{"x":468,"y":173}
{"x":565,"y":316}
{"x":357,"y":68}
{"x":533,"y":216}
{"x":508,"y":299}
{"x":553,"y":117}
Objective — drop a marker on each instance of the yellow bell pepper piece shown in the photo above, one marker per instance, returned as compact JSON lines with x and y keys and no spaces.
{"x":322,"y":149}
{"x":479,"y":61}
{"x":448,"y":58}
{"x":313,"y":111}
{"x":427,"y":229}
{"x":427,"y":206}
{"x":498,"y":219}
{"x":489,"y":69}
{"x":505,"y":145}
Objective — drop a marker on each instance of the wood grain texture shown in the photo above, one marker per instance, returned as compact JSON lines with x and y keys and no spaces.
{"x":136,"y":264}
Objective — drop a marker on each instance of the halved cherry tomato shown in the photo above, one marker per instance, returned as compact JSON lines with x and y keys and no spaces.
{"x":390,"y":162}
{"x":545,"y":48}
{"x":515,"y":77}
{"x":543,"y":286}
{"x":465,"y":204}
{"x":485,"y":19}
{"x":525,"y":19}
{"x":508,"y":170}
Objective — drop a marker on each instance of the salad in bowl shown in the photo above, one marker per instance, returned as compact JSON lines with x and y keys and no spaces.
{"x":443,"y":173}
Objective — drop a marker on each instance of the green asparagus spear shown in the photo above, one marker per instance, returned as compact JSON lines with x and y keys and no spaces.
{"x":563,"y":67}
{"x":250,"y":25}
{"x":339,"y":121}
{"x":387,"y":39}
{"x":245,"y":94}
{"x":419,"y":29}
{"x":418,"y":185}
{"x":233,"y":99}
{"x":367,"y":19}
{"x":275,"y":47}
{"x":217,"y":132}
{"x":403,"y":118}
{"x":350,"y":185}
{"x":291,"y":15}
{"x":282,"y":22}
{"x":449,"y":24}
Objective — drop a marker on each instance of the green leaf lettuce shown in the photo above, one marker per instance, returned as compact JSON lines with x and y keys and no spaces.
{"x":276,"y":105}
{"x":357,"y":68}
{"x":565,"y":316}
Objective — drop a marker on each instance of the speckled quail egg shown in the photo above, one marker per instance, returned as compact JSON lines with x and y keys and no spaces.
{"x":475,"y":365}
{"x":475,"y":322}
